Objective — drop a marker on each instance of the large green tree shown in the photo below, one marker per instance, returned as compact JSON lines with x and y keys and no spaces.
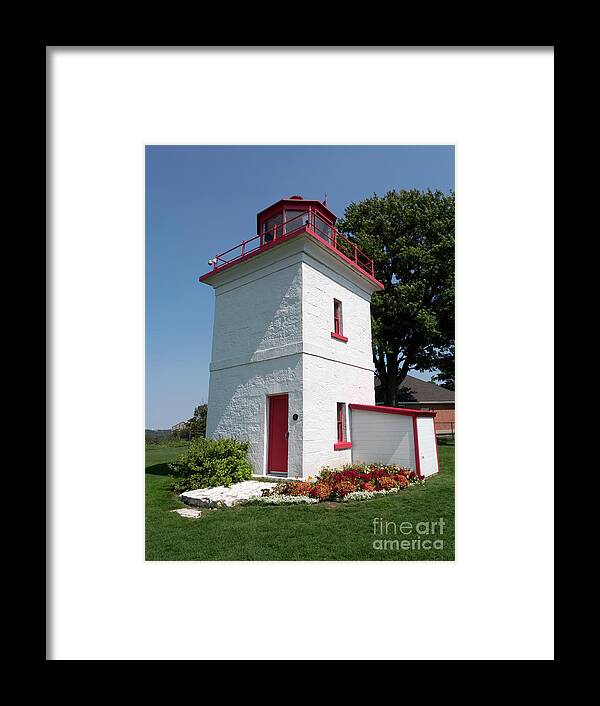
{"x":445,"y":376}
{"x":410,"y":236}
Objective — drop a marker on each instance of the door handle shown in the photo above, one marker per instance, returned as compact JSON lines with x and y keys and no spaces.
{"x":287,"y":434}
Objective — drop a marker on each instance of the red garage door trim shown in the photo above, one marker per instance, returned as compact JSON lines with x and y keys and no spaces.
{"x":417,"y":452}
{"x":393,"y":410}
{"x":437,"y":453}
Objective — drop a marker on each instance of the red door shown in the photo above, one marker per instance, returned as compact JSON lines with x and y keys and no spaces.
{"x":277,"y":456}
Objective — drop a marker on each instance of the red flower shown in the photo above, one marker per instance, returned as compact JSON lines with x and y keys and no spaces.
{"x":295,"y":488}
{"x":321,"y":491}
{"x":343,"y":488}
{"x":386,"y":483}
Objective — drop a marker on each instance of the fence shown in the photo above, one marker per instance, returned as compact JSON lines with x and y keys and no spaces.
{"x":279,"y":230}
{"x":445,"y":428}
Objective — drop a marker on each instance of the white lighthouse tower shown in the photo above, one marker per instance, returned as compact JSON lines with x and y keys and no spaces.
{"x":291,"y":340}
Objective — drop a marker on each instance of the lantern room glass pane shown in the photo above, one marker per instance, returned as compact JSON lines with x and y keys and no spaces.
{"x":323,"y":228}
{"x":273,"y":228}
{"x":294,"y":220}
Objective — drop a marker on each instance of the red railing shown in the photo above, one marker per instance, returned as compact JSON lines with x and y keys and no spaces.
{"x":308,"y":219}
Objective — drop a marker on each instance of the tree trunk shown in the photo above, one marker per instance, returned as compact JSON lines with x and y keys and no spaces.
{"x":386,"y":364}
{"x":391,"y":374}
{"x":391,"y":391}
{"x":403,"y":372}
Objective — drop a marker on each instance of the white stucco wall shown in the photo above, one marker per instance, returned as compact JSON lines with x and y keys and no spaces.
{"x":257,"y":315}
{"x":334,"y":371}
{"x":327,"y":382}
{"x":237,"y":406}
{"x":320,"y":286}
{"x":257,"y":337}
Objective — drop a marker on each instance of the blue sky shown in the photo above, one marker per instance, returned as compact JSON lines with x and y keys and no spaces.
{"x":203,"y":200}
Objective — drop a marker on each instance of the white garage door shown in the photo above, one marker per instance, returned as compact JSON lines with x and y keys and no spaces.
{"x":382,"y":438}
{"x":427,"y":446}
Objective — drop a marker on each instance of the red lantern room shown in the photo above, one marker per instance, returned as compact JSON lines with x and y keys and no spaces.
{"x":289,"y":215}
{"x":288,"y":218}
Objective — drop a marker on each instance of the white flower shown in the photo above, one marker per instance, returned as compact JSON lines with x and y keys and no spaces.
{"x":286,"y":500}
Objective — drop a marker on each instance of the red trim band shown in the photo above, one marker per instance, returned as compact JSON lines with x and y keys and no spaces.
{"x":437,"y":455}
{"x":393,"y":410}
{"x":345,"y":258}
{"x":417,"y":452}
{"x":339,"y":445}
{"x":256,"y":251}
{"x":273,"y":243}
{"x":339,"y":337}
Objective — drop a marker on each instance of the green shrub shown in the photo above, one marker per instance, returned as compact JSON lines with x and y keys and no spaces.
{"x":211,"y":462}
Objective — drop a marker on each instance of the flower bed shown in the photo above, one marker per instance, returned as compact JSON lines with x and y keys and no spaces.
{"x":355,"y":482}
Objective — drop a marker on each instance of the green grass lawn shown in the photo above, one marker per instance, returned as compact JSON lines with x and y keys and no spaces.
{"x":335,"y":531}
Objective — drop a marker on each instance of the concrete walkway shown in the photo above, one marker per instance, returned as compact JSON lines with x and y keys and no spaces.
{"x":225,"y":497}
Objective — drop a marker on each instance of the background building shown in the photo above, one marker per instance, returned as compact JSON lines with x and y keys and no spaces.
{"x":420,"y":394}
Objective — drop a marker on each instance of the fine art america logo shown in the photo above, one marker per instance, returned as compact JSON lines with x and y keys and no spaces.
{"x":396,"y":536}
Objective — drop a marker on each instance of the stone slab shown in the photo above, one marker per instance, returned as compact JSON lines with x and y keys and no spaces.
{"x":225,"y":497}
{"x":187,"y":512}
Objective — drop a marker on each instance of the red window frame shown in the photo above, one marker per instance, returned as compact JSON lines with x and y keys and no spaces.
{"x":337,"y":317}
{"x":341,"y":427}
{"x":338,"y":322}
{"x":341,"y":442}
